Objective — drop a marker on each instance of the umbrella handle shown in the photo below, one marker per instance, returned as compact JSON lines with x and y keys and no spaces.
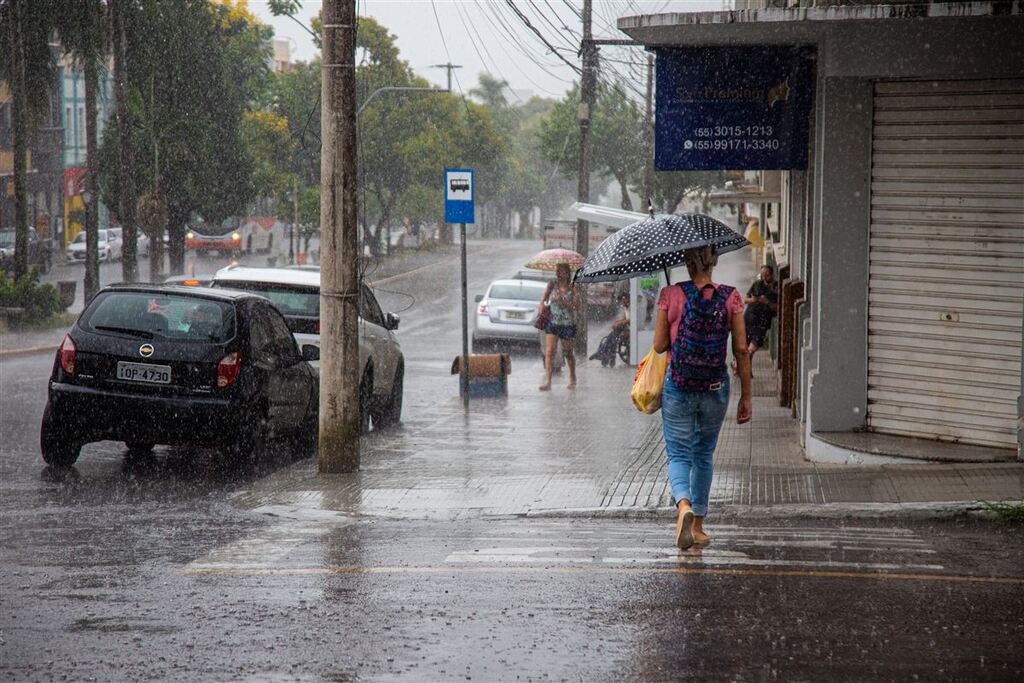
{"x":668,"y":280}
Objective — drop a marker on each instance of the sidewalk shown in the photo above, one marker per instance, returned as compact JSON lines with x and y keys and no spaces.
{"x":590,"y":453}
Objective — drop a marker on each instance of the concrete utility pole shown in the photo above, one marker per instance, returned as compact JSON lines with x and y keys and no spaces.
{"x":339,"y":273}
{"x":449,"y":66}
{"x":648,"y":182}
{"x":588,"y":94}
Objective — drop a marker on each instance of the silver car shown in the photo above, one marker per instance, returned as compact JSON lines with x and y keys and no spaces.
{"x":506,"y":313}
{"x":296,"y":293}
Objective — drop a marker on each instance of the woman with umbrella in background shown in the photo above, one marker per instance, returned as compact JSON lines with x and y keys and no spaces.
{"x":556,"y":316}
{"x":561,"y":300}
{"x":695,"y":320}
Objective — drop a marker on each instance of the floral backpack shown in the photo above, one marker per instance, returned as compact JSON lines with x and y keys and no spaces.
{"x":698,"y":355}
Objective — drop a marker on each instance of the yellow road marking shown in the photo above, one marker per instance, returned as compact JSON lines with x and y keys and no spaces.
{"x":792,"y":573}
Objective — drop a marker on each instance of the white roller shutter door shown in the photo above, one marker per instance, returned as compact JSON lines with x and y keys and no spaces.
{"x":946,"y":278}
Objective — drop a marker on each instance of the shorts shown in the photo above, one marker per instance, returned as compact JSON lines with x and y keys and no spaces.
{"x":561,"y":331}
{"x":756,"y":335}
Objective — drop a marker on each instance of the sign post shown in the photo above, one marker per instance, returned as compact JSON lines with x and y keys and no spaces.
{"x":458,"y":208}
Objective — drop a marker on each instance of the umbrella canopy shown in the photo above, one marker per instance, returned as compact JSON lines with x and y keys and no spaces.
{"x":550,"y":259}
{"x":656,"y":243}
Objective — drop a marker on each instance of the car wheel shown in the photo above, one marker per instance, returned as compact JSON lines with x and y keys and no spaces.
{"x":56,"y":448}
{"x":390,"y":413}
{"x":479,"y":346}
{"x":248,"y":447}
{"x":307,"y":437}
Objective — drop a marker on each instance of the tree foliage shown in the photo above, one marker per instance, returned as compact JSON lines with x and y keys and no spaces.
{"x":617,"y":127}
{"x":195,"y":70}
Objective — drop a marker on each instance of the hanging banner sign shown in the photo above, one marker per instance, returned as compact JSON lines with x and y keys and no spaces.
{"x":733,"y":108}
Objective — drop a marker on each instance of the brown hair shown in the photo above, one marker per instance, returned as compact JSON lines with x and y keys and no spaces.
{"x":700,"y":259}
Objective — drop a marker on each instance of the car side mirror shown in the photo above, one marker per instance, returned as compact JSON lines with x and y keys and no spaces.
{"x":478,"y":298}
{"x":310,"y":352}
{"x":391,"y":321}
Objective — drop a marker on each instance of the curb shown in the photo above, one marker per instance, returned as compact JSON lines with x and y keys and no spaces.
{"x":27,"y":351}
{"x":905,"y":511}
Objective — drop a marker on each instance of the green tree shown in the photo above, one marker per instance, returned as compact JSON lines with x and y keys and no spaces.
{"x":82,"y":28}
{"x":196,"y":68}
{"x":616,"y":144}
{"x":29,"y":69}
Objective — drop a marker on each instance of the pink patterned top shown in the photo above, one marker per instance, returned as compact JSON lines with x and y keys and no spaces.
{"x":672,"y":300}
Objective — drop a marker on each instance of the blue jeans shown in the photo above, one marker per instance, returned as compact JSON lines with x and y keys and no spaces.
{"x":692,"y":421}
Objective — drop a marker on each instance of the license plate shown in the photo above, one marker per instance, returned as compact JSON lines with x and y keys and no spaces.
{"x":144,"y":372}
{"x":515,"y":315}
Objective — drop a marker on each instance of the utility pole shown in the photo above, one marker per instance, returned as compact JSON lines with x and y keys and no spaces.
{"x":648,"y":181}
{"x":588,"y":93}
{"x":128,"y":200}
{"x":449,"y":66}
{"x":340,"y":410}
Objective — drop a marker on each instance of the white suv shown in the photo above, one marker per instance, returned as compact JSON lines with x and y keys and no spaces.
{"x":296,"y":293}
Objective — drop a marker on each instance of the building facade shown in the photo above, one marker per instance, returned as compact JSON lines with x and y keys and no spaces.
{"x":45,"y":167}
{"x":901,"y":246}
{"x":75,"y":157}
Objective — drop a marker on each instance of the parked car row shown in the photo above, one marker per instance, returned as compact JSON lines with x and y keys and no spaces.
{"x":228,"y":365}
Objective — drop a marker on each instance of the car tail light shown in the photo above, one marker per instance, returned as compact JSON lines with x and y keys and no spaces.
{"x":227,"y":369}
{"x":318,"y":327}
{"x":481,"y":309}
{"x":235,"y":237}
{"x":67,"y":355}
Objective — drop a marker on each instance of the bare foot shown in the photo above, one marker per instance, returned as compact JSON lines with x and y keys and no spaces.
{"x":545,"y":387}
{"x":701,"y":537}
{"x":571,"y":385}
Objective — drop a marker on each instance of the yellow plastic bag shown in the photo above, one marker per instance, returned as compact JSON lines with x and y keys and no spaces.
{"x":647,"y":383}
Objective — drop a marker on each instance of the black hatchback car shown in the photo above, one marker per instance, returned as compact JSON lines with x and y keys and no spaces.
{"x":149,"y":364}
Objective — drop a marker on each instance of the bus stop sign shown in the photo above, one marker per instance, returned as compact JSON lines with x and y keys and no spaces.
{"x":458,"y":195}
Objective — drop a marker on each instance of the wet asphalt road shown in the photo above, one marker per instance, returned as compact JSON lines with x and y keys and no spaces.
{"x":131,"y":570}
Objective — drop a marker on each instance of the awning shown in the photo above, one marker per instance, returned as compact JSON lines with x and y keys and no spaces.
{"x":744,"y":195}
{"x":797,"y":25}
{"x":603,"y":215}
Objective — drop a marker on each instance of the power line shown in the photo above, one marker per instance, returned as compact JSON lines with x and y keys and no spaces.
{"x":540,"y":36}
{"x":501,"y":30}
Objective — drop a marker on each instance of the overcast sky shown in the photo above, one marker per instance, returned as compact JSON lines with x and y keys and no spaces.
{"x":487,"y":36}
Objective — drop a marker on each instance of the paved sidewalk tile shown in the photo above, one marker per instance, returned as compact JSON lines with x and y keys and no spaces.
{"x":588,"y":451}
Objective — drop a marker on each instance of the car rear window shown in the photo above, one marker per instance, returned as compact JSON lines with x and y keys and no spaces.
{"x":516,"y":292}
{"x":291,"y":300}
{"x":152,"y":315}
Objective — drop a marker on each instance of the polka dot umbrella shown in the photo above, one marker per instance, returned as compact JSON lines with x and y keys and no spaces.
{"x":549,"y":259}
{"x":654,"y":244}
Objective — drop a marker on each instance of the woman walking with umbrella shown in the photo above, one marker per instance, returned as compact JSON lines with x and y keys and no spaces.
{"x":695,"y":320}
{"x":560,"y":301}
{"x":556,"y":316}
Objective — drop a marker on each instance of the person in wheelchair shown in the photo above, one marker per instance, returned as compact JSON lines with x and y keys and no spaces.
{"x":618,"y":337}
